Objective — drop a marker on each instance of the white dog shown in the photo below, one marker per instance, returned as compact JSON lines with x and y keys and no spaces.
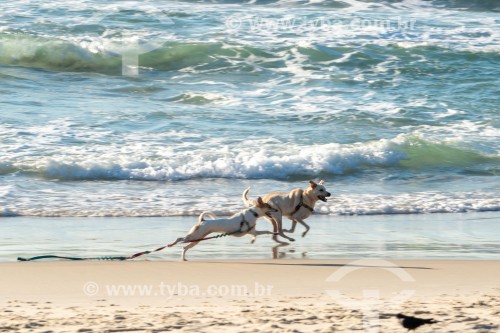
{"x":297,"y":205}
{"x":238,"y":225}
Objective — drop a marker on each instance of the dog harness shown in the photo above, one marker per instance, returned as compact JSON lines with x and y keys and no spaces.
{"x":240,"y":230}
{"x":244,"y":221}
{"x":302,"y":204}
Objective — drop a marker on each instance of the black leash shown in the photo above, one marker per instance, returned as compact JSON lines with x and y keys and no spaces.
{"x":121,"y":258}
{"x":70,"y":258}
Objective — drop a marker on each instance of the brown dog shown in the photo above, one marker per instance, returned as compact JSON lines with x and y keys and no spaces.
{"x":297,"y":205}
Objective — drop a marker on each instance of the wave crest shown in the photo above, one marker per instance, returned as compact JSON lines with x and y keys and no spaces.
{"x":251,"y":160}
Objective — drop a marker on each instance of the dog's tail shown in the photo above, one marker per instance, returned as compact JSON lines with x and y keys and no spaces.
{"x":247,"y":202}
{"x":204,"y":215}
{"x":201,"y":218}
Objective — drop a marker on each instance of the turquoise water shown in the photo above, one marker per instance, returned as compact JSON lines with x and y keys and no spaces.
{"x":170,"y":108}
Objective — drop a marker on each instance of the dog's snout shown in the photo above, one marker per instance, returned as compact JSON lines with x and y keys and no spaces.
{"x":328,"y":194}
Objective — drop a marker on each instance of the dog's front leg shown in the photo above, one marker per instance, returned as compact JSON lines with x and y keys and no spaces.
{"x":304,"y":224}
{"x":254,"y":233}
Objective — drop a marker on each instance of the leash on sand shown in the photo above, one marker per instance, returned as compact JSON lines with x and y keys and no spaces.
{"x":121,"y":258}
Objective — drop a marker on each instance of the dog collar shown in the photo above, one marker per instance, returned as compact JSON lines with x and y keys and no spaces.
{"x":254,"y":213}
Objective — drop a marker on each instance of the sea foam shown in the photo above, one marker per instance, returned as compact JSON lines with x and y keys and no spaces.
{"x":140,"y":158}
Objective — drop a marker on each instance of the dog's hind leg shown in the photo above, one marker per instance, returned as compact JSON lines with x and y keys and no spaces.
{"x":194,"y":237}
{"x":292,"y":228}
{"x":275,"y":231}
{"x":180,"y":239}
{"x":187,"y":247}
{"x":279,"y":224}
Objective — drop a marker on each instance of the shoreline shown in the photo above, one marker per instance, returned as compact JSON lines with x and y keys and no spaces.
{"x":267,"y":295}
{"x":470,"y":236}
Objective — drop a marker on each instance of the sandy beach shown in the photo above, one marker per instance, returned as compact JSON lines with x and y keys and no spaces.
{"x":249,"y":296}
{"x":122,"y":121}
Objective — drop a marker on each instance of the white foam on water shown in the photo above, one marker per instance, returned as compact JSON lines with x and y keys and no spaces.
{"x":448,"y":113}
{"x":177,"y":155}
{"x":412,"y":203}
{"x":205,"y":98}
{"x":211,"y":159}
{"x":107,"y":199}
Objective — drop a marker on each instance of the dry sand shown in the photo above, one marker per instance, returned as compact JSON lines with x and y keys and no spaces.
{"x":248,"y":296}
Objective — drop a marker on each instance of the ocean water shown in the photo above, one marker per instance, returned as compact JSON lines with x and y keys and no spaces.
{"x":169,"y":108}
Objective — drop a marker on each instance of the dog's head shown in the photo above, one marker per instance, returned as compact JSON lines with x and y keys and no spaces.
{"x":318,"y":190}
{"x":264,"y":208}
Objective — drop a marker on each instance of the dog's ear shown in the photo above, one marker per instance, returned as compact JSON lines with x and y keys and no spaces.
{"x":321,"y":182}
{"x":313,"y":184}
{"x":260,"y":203}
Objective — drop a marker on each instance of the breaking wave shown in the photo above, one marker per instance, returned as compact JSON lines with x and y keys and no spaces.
{"x":268,"y":161}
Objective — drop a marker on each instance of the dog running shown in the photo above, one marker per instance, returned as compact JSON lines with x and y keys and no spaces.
{"x":238,"y":225}
{"x":297,"y":205}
